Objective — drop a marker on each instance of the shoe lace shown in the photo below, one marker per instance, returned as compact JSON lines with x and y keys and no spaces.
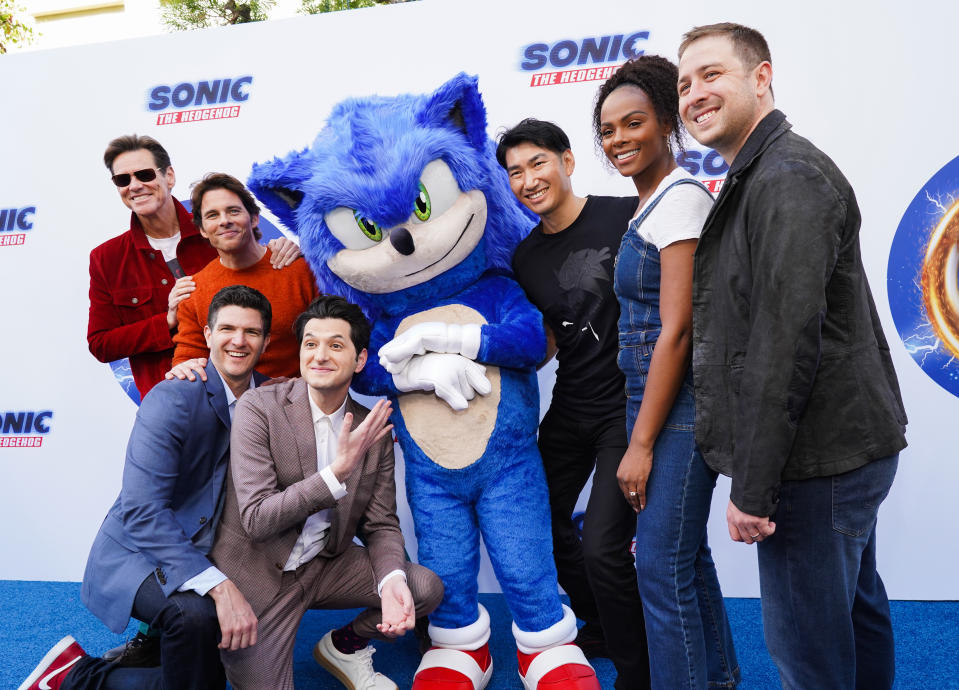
{"x":365,"y":657}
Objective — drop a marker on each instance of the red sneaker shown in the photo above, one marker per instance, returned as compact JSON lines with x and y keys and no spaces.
{"x":454,"y":669}
{"x":55,"y":666}
{"x":563,"y":667}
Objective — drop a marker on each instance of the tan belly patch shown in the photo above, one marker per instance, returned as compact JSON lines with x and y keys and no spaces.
{"x":449,"y":438}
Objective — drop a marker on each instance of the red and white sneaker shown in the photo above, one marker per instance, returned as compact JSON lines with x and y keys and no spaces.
{"x":454,"y":669}
{"x":563,"y":667}
{"x":55,"y":666}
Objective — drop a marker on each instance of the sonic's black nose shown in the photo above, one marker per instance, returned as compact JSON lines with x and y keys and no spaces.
{"x":402,"y":241}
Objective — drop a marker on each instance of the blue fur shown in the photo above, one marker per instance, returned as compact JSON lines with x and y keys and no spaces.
{"x":369,"y":157}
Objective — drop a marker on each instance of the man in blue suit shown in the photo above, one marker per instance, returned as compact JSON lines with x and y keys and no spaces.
{"x":149,"y":559}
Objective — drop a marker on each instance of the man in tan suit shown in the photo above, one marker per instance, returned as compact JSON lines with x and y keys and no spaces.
{"x":310,"y":470}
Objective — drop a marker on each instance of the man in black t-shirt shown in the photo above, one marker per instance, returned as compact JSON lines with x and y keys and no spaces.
{"x":565,"y":266}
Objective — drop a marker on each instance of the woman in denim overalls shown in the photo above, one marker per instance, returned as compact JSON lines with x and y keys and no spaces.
{"x":662,"y":475}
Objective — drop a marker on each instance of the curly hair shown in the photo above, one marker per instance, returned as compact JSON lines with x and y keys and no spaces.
{"x":656,"y":76}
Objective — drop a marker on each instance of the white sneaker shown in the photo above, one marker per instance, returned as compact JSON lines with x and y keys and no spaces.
{"x":354,"y":670}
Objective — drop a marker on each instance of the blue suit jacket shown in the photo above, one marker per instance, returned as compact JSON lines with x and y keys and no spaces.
{"x":173,"y":478}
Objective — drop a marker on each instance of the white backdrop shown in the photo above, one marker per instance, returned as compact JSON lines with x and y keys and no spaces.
{"x":870,"y":83}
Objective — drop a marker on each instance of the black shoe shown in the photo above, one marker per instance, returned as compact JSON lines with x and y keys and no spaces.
{"x":592,"y":642}
{"x":422,"y":633}
{"x":139,"y":651}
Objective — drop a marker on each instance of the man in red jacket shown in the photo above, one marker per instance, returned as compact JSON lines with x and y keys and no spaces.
{"x":138,"y":278}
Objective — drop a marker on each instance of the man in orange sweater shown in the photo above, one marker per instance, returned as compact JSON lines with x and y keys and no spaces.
{"x":227,"y":215}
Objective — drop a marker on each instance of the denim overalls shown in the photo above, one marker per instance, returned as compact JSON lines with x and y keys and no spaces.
{"x":690,"y":643}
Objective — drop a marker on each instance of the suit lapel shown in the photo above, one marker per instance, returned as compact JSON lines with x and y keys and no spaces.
{"x":297,"y":410}
{"x":217,"y":394}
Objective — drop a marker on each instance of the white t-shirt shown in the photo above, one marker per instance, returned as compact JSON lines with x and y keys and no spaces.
{"x":166,"y":245}
{"x":678,"y":216}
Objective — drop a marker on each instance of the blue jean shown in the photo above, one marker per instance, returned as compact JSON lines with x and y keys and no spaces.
{"x":189,"y":634}
{"x":825,"y":610}
{"x":690,"y":643}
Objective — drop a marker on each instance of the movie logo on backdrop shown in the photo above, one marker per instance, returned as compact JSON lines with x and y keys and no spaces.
{"x":180,"y":103}
{"x":581,"y":55}
{"x":14,"y":224}
{"x":923,"y":278}
{"x":24,"y":428}
{"x":706,"y":165}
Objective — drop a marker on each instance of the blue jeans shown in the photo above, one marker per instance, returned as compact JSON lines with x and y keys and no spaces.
{"x":189,"y":634}
{"x":690,"y":643}
{"x":825,"y":610}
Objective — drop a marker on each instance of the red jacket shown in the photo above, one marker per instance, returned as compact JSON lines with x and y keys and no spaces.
{"x":129,"y":286}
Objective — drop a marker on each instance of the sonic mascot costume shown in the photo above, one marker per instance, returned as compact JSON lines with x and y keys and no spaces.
{"x":401,"y":207}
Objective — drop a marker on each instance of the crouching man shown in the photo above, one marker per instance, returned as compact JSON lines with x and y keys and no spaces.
{"x":149,"y":559}
{"x":310,"y":470}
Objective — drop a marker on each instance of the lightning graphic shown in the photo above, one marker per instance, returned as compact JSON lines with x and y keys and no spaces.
{"x":937,"y":203}
{"x":920,"y":346}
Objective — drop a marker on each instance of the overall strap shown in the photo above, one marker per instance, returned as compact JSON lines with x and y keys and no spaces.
{"x":652,"y":204}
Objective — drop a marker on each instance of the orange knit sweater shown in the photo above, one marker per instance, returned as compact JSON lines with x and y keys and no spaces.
{"x":289,"y":290}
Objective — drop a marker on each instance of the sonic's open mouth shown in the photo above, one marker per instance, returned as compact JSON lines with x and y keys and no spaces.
{"x":465,"y":228}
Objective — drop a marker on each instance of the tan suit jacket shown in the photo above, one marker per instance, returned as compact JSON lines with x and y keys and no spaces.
{"x":273,"y":486}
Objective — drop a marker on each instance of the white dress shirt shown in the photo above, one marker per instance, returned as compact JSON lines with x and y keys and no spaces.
{"x":316,"y":529}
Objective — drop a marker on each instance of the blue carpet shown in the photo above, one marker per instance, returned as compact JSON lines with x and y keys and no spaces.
{"x":37,"y":614}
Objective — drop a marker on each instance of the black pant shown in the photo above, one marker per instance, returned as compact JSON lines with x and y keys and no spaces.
{"x":598,"y":573}
{"x":189,"y":634}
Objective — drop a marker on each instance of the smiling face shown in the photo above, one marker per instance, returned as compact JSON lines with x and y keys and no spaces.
{"x":146,"y":199}
{"x":444,"y":226}
{"x":226,"y":222}
{"x":236,"y":341}
{"x":634,"y":140}
{"x":539,"y":177}
{"x":328,"y":361}
{"x":720,"y":100}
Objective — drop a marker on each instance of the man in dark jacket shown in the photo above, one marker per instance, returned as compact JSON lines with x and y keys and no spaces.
{"x":796,"y":396}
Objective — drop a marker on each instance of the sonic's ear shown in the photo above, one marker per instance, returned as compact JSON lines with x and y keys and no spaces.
{"x":457,"y":104}
{"x":279,"y":185}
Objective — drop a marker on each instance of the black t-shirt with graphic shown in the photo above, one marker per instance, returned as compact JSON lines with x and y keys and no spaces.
{"x":568,"y":276}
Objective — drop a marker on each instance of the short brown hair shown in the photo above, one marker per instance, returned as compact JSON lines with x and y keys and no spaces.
{"x":217,"y":180}
{"x":750,"y":45}
{"x":134,"y":142}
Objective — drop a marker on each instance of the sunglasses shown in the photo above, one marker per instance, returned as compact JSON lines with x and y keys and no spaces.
{"x":145,"y":175}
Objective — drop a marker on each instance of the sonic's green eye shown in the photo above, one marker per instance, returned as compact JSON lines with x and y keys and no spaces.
{"x":368,"y":227}
{"x":422,"y":206}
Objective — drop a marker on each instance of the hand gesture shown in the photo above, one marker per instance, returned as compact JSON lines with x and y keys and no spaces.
{"x":747,"y":528}
{"x":633,"y":474}
{"x":353,"y":443}
{"x":397,"y":606}
{"x":237,"y":622}
{"x":283,"y":252}
{"x":181,"y":289}
{"x":189,"y":369}
{"x":434,"y":336}
{"x":455,"y":379}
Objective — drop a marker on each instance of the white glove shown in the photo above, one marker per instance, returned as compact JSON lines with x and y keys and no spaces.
{"x":433,"y":336}
{"x":454,"y":378}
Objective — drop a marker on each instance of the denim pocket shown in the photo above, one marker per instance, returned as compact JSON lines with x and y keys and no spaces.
{"x":633,"y":361}
{"x":856,"y":495}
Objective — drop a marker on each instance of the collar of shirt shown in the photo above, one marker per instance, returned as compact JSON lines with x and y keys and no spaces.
{"x":335,"y":419}
{"x":230,"y":398}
